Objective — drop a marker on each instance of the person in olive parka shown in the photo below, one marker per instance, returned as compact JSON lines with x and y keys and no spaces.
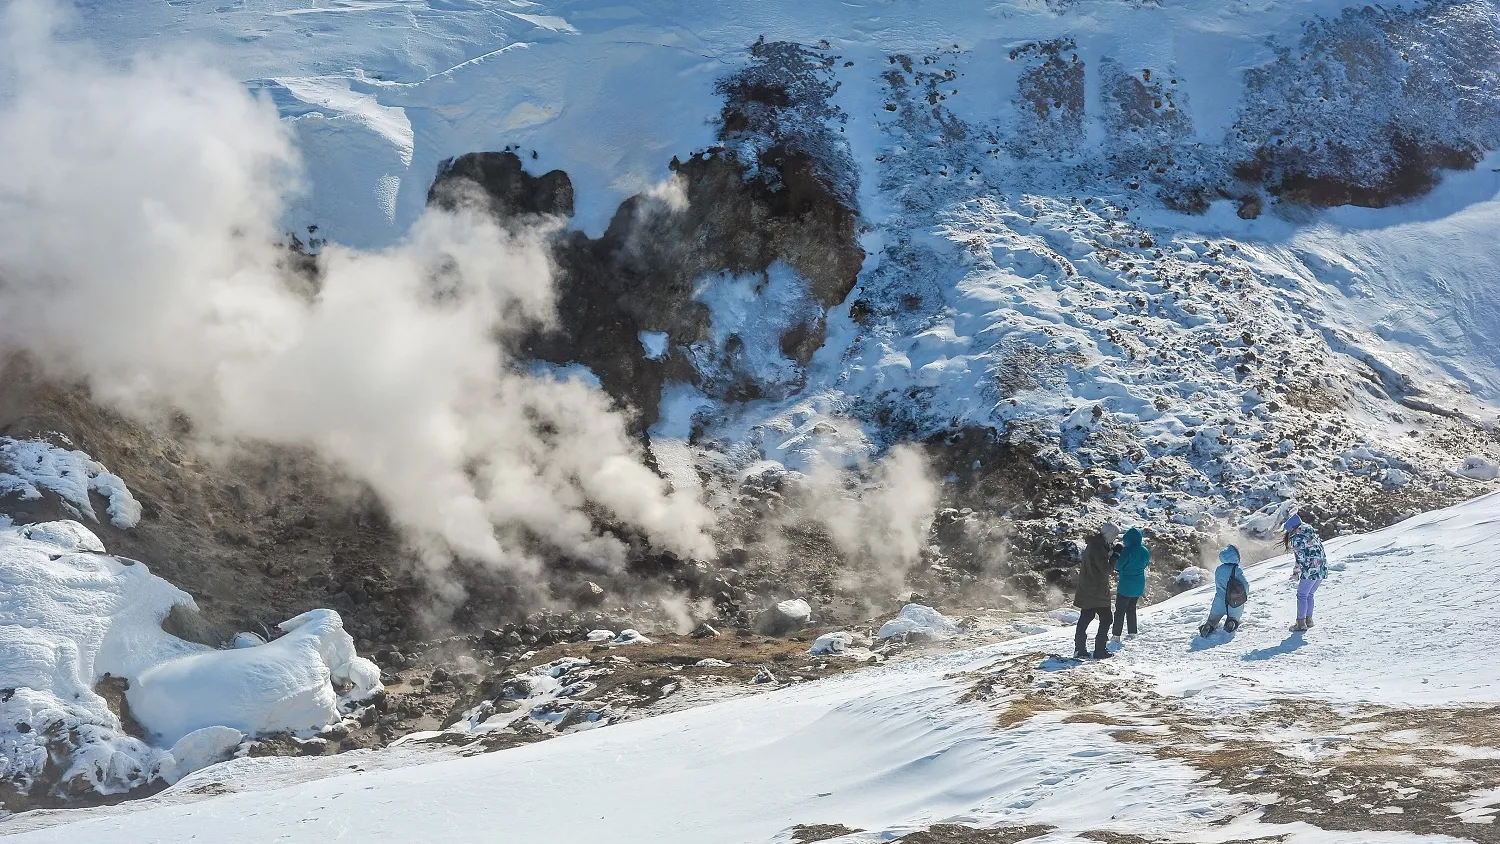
{"x":1095,"y":592}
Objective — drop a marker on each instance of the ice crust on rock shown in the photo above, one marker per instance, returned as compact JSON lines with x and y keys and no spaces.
{"x":27,"y":467}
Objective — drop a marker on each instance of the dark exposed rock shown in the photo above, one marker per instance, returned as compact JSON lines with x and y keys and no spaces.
{"x":496,"y":182}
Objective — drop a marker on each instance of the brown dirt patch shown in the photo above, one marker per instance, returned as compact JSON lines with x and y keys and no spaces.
{"x":806,"y":833}
{"x":949,"y":833}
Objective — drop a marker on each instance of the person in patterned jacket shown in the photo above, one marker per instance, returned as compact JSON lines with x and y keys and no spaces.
{"x":1309,"y":566}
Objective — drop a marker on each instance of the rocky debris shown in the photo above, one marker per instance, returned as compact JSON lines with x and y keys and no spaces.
{"x":808,"y":833}
{"x":563,"y":688}
{"x":704,"y":631}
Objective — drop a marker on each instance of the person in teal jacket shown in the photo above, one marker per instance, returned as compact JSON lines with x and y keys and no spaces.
{"x":1132,"y":565}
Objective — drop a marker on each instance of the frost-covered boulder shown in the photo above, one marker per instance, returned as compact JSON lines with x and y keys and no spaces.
{"x":630,"y":637}
{"x":785,"y":616}
{"x":1268,"y":520}
{"x":72,"y":616}
{"x":919,"y":620}
{"x":1477,"y":468}
{"x":834,"y":644}
{"x":199,"y":749}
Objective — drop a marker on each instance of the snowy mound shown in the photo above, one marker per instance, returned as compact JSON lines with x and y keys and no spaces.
{"x":27,"y":467}
{"x":984,"y":738}
{"x":72,"y":616}
{"x":917,"y":620}
{"x":300,"y":682}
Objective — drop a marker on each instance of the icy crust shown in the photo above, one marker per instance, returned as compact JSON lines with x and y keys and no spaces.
{"x":27,"y":467}
{"x":72,"y":616}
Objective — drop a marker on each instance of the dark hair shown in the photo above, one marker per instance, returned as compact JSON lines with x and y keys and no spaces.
{"x":1286,"y":540}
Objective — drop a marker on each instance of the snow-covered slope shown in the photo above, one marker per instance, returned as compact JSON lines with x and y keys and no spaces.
{"x":1014,"y":168}
{"x":1361,"y":730}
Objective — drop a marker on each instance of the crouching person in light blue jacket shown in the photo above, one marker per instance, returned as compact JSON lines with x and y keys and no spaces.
{"x":1231,"y":590}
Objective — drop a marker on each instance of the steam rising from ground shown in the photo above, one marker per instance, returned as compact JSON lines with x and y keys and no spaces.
{"x":881,"y":528}
{"x":139,"y":211}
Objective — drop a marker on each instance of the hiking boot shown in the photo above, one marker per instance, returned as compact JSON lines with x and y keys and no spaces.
{"x":1205,"y":630}
{"x":1307,"y":623}
{"x":1300,"y":626}
{"x":1102,"y":654}
{"x":1231,"y":625}
{"x":1080,"y":654}
{"x":1115,"y":639}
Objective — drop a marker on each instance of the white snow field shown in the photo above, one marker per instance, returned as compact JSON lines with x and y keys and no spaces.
{"x":893,"y":750}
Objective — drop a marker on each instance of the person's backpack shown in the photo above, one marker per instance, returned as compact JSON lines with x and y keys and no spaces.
{"x":1234,"y":593}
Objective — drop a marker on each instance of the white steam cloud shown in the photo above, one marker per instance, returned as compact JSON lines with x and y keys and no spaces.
{"x":882,"y":527}
{"x":139,"y":211}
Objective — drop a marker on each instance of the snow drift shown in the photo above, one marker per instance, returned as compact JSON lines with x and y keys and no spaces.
{"x":72,"y":616}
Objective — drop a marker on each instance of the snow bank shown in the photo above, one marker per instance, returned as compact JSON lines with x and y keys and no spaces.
{"x":29,"y":466}
{"x":300,"y":682}
{"x":918,"y":619}
{"x":71,"y":616}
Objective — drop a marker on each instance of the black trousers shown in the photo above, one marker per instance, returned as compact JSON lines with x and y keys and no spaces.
{"x":1125,"y":611}
{"x":1081,"y":635}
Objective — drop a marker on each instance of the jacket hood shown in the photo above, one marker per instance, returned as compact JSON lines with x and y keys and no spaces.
{"x":1133,"y":537}
{"x":1230,"y":556}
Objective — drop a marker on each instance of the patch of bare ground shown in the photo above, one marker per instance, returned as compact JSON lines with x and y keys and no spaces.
{"x":806,"y":833}
{"x":1126,"y":838}
{"x":951,"y":833}
{"x":1388,"y":770}
{"x":1371,"y":769}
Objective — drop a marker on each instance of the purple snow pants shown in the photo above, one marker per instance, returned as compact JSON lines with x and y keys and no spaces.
{"x":1305,"y":590}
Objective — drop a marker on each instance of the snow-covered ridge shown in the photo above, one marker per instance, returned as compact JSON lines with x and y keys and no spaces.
{"x":75,"y":622}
